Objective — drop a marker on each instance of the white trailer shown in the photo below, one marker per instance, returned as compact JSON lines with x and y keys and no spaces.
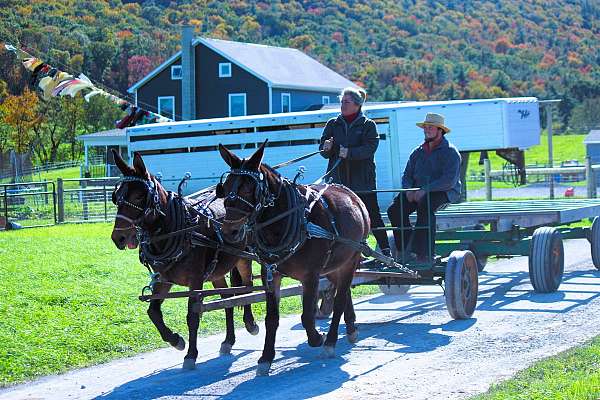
{"x":174,"y":148}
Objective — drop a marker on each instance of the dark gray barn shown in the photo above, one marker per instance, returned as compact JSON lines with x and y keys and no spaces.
{"x":213,"y":78}
{"x":592,"y":149}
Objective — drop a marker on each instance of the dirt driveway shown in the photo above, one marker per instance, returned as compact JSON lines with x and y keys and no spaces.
{"x":408,"y":348}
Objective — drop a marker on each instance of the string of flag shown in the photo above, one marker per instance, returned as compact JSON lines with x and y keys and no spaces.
{"x":52,"y":82}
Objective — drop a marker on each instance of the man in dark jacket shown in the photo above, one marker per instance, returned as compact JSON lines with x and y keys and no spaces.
{"x":433,"y":169}
{"x":352,"y":138}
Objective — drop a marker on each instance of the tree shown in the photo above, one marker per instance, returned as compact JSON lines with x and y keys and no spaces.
{"x":71,"y":119}
{"x":48,"y":132}
{"x":20,"y":113}
{"x":138,"y":67}
{"x":100,"y":114}
{"x":586,"y":116}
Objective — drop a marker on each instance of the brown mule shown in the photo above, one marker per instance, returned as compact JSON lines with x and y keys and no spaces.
{"x":255,"y":196}
{"x":142,"y":204}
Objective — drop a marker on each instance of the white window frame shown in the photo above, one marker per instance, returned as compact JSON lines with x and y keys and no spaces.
{"x":325,"y":100}
{"x":245,"y":104}
{"x":223,"y":74}
{"x":174,"y":77}
{"x":289,"y":96}
{"x":172,"y":98}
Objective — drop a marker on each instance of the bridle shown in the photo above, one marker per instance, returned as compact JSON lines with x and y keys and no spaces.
{"x":151,"y":204}
{"x":264,"y":198}
{"x":261,"y":193}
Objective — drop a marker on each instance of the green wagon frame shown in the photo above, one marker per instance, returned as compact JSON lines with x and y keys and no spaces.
{"x":468,"y":233}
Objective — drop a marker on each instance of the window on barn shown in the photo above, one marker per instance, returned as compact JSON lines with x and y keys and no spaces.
{"x":176,"y":72}
{"x":166,"y":106}
{"x":224,"y":70}
{"x":286,"y":102}
{"x":237,"y":104}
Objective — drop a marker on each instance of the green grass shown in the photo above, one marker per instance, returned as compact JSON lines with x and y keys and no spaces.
{"x":69,"y":300}
{"x":51,"y":176}
{"x":574,"y":374}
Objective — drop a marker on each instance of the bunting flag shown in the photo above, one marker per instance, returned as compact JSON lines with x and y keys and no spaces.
{"x":51,"y":82}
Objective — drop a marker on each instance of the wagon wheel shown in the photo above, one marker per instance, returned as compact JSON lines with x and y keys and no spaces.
{"x":326,"y":308}
{"x":546,"y":260}
{"x":595,"y":242}
{"x":462,"y":281}
{"x":480,"y":258}
{"x":393,"y":289}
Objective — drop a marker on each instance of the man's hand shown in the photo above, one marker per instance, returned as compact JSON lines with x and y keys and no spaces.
{"x":328,"y":145}
{"x":343,"y":152}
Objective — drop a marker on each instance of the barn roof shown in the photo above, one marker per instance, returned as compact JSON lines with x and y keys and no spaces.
{"x":280,"y":67}
{"x":592,"y":137}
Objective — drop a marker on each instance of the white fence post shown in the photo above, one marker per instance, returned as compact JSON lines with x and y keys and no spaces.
{"x":590,"y":177}
{"x":488,"y":179}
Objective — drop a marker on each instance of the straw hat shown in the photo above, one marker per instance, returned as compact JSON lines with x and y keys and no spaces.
{"x":434,"y":120}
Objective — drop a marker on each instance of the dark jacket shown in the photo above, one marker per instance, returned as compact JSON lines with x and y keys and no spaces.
{"x":438,"y":171}
{"x":357,"y":171}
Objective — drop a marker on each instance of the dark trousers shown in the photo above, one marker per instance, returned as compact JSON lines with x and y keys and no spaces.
{"x":399,"y":213}
{"x":370,"y":200}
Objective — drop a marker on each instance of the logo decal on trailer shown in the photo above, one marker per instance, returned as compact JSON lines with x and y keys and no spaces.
{"x":524,"y":113}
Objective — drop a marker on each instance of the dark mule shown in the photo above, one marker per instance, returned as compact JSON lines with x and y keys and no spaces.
{"x":292,"y":246}
{"x":144,"y":205}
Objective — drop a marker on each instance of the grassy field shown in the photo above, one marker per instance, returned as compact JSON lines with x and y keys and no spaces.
{"x":65,"y":173}
{"x":574,"y":374}
{"x":564,"y":147}
{"x":69,"y":299}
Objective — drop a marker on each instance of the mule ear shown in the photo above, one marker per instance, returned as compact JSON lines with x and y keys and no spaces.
{"x":254,"y":162}
{"x":125,"y":169}
{"x":138,"y":164}
{"x":231,"y":159}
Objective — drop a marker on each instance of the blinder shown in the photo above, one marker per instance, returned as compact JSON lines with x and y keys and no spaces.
{"x":261,"y":191}
{"x":151,"y":203}
{"x":220,"y":188}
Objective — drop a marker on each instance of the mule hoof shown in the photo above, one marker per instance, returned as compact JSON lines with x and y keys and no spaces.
{"x":253,"y":329}
{"x":322,"y":338}
{"x":263,"y":369}
{"x":353,"y":337}
{"x":180,"y":344}
{"x":225,"y":348}
{"x":328,"y":351}
{"x":189,"y":364}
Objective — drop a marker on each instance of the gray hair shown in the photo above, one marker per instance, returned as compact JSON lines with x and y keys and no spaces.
{"x":358,"y":95}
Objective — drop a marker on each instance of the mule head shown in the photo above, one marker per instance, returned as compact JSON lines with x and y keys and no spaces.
{"x":245,"y":190}
{"x":138,"y":197}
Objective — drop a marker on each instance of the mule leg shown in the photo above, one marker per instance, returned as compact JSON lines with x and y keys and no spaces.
{"x":193,"y":322}
{"x":242,"y":276}
{"x":155,"y":315}
{"x":339,"y":306}
{"x":271,"y":325}
{"x":350,"y":319}
{"x":309,"y":304}
{"x":229,"y":341}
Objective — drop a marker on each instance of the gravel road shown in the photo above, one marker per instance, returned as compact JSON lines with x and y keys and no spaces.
{"x":409,"y":348}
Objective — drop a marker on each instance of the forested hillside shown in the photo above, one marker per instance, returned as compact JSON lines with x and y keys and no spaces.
{"x":396,"y":49}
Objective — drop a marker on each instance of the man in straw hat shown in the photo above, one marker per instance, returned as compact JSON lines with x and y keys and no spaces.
{"x":352,"y":139}
{"x":434,"y":169}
